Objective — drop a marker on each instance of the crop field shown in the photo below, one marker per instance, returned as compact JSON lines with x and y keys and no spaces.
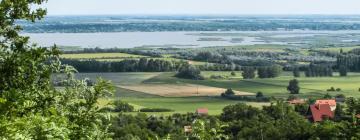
{"x":162,"y":90}
{"x":180,"y":90}
{"x":337,"y":49}
{"x":310,"y":87}
{"x":101,"y":56}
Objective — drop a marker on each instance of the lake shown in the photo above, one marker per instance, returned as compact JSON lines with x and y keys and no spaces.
{"x":168,"y":39}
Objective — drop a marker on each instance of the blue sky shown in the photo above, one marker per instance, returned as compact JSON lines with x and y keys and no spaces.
{"x":235,"y":7}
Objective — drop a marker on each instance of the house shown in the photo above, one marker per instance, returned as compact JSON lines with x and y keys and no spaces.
{"x":202,"y":111}
{"x":297,"y":101}
{"x":331,"y":103}
{"x":321,"y":111}
{"x":187,"y":129}
{"x":357,"y":116}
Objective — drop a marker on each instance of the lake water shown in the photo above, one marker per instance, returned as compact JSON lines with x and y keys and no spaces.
{"x":162,"y":39}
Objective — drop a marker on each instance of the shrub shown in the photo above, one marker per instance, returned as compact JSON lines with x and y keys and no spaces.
{"x":259,"y":94}
{"x":228,"y":92}
{"x":233,"y":73}
{"x":338,"y":89}
{"x":331,"y":89}
{"x":121,"y":106}
{"x":327,"y":96}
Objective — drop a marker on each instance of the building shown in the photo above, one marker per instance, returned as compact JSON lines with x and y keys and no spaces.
{"x":297,"y":101}
{"x":331,"y":103}
{"x":187,"y":129}
{"x":202,"y":111}
{"x":357,"y":116}
{"x":319,"y":112}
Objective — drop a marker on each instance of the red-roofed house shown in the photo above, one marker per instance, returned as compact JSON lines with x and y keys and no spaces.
{"x":331,"y":103}
{"x":321,"y":111}
{"x":202,"y":111}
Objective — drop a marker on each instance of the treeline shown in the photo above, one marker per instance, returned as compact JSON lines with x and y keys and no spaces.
{"x":350,"y":61}
{"x":319,"y":70}
{"x":262,"y":72}
{"x":168,"y":24}
{"x":240,"y":121}
{"x":129,"y":65}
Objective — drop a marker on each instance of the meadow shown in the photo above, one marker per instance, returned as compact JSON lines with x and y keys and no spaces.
{"x":310,"y":87}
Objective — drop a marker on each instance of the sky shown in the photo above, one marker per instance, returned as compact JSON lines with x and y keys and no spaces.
{"x":202,"y":7}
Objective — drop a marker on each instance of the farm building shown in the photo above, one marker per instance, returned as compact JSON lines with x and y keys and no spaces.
{"x":319,"y":112}
{"x":331,"y":103}
{"x":202,"y":111}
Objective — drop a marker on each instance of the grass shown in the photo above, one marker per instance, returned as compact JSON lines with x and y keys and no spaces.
{"x":182,"y":105}
{"x":310,"y":87}
{"x":101,"y":56}
{"x":337,"y":49}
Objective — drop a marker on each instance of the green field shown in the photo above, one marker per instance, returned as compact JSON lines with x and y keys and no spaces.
{"x":310,"y":87}
{"x":101,"y":56}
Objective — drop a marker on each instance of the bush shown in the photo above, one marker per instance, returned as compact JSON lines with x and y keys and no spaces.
{"x":121,"y":106}
{"x":155,"y":110}
{"x":338,"y":89}
{"x":233,"y":73}
{"x":259,"y":94}
{"x":228,"y":92}
{"x":327,"y":96}
{"x":331,"y":89}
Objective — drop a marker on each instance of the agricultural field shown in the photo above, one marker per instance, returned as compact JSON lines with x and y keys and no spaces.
{"x":162,"y":90}
{"x":101,"y":56}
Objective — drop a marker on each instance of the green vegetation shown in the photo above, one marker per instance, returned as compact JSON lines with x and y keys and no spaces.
{"x":101,"y":56}
{"x":30,"y":106}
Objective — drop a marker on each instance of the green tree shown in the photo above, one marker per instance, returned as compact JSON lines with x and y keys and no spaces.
{"x":30,"y":106}
{"x":259,"y":94}
{"x":248,"y":73}
{"x":294,"y":87}
{"x":189,"y":72}
{"x":343,"y":70}
{"x":296,"y":72}
{"x":121,"y":106}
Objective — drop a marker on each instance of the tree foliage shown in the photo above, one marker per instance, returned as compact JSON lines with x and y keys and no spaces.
{"x":294,"y":87}
{"x":30,"y":106}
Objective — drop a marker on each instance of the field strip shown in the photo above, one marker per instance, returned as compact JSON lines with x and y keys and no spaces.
{"x":181,"y":90}
{"x":261,"y":83}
